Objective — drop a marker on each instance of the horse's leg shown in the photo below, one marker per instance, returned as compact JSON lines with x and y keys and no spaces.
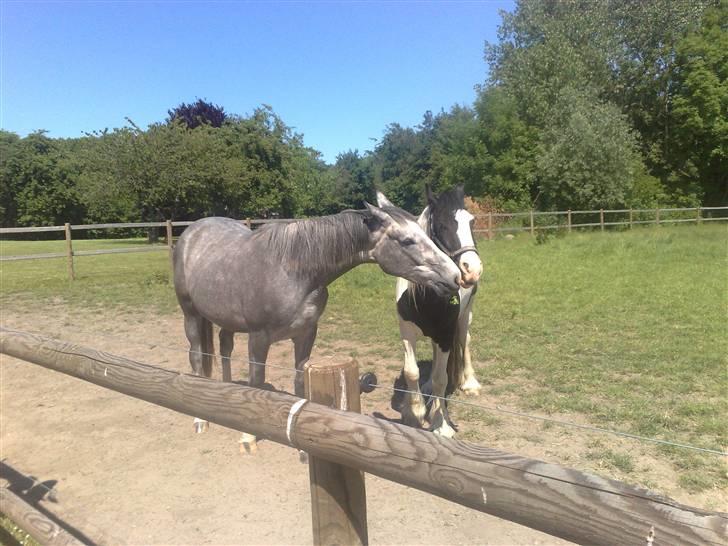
{"x":438,"y":410}
{"x":198,"y":329}
{"x":303,"y":344}
{"x":413,"y":410}
{"x":470,"y":386}
{"x":258,"y":345}
{"x":226,"y":349}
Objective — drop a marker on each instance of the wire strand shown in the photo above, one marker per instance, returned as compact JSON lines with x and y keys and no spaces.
{"x":557,"y":421}
{"x":497,"y":409}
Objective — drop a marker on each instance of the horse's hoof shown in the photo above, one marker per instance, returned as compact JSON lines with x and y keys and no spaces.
{"x":201,"y":426}
{"x":303,"y":457}
{"x":446,"y":431}
{"x":248,"y":444}
{"x":471,"y":387}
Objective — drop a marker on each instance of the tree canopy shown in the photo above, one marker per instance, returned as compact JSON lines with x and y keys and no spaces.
{"x":587,"y":105}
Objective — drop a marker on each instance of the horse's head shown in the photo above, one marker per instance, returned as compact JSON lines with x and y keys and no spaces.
{"x":450,"y":226}
{"x":402,"y":248}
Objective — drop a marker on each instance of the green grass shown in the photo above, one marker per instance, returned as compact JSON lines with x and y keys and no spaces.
{"x":12,"y":535}
{"x":130,"y":280}
{"x":628,"y":328}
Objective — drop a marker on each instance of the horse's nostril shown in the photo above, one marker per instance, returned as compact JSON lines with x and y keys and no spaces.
{"x":466,"y":266}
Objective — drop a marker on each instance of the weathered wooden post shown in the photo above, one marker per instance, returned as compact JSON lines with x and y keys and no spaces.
{"x":630,"y":218}
{"x":338,"y":495}
{"x":69,"y":252}
{"x":601,"y":219}
{"x":491,"y":235}
{"x":532,"y":230}
{"x":657,"y":217}
{"x":248,"y":223}
{"x":568,"y":219}
{"x":699,"y":218}
{"x":171,"y":250}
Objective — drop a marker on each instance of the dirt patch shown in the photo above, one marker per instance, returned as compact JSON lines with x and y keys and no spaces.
{"x":128,"y":472}
{"x":132,"y":473}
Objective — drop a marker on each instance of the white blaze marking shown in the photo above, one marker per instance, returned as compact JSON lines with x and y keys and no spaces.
{"x":463,"y":219}
{"x":295,"y":408}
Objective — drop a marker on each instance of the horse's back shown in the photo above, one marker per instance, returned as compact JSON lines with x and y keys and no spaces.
{"x":208,"y":234}
{"x":203,"y":248}
{"x":214,"y":227}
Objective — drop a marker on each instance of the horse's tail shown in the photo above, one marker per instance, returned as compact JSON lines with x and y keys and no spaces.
{"x":208,"y":347}
{"x":456,"y":362}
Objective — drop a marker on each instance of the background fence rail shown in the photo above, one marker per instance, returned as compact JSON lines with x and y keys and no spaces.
{"x":562,"y":502}
{"x":487,"y":224}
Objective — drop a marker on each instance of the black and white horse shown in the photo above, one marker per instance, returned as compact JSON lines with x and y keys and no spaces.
{"x":271,"y":283}
{"x":445,"y":319}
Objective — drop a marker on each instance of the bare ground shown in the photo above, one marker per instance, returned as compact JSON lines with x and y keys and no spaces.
{"x":129,"y":472}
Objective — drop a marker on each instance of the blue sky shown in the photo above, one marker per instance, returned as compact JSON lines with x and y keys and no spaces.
{"x":336,"y":72}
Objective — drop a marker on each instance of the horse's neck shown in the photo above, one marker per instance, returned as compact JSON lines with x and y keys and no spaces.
{"x":350,"y":246}
{"x":322,"y":249}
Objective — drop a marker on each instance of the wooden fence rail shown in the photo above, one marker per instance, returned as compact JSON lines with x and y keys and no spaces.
{"x":659,"y":218}
{"x":489,"y":230}
{"x":559,"y":501}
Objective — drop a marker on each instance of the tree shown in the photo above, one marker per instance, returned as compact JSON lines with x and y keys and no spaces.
{"x":198,"y":113}
{"x":511,"y":146}
{"x":402,"y":163}
{"x":38,"y":182}
{"x":619,"y":52}
{"x":9,"y":179}
{"x":457,"y":154}
{"x":699,"y":117}
{"x":353,"y":180}
{"x":588,"y":155}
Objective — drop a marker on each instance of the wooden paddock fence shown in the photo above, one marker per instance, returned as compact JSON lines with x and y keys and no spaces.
{"x":488,"y":224}
{"x":562,"y":502}
{"x":491,"y":222}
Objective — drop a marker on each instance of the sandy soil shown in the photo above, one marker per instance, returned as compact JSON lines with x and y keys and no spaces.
{"x":127,"y":472}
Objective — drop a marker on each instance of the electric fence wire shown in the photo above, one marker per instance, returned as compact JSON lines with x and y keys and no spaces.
{"x":492,"y":409}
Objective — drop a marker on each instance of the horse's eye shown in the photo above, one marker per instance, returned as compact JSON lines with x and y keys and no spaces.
{"x":408,"y":241}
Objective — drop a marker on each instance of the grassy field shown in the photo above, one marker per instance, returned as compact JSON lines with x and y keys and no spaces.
{"x":626,"y":328}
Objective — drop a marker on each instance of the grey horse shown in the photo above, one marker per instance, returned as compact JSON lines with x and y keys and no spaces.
{"x":271,"y":282}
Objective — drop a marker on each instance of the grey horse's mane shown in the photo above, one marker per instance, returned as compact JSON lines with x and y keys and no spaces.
{"x":316,"y":244}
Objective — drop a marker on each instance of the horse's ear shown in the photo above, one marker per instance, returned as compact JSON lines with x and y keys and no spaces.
{"x":374,"y":217}
{"x":382,"y":200}
{"x":431,"y":199}
{"x":460,"y":190}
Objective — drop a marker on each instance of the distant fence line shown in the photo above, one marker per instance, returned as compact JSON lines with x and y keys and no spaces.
{"x":489,"y":224}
